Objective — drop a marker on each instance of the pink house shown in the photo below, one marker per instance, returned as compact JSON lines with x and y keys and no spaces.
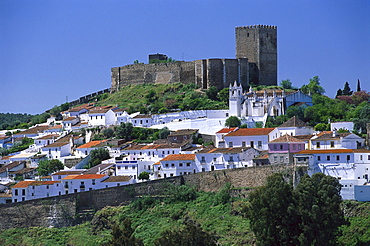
{"x":281,"y":150}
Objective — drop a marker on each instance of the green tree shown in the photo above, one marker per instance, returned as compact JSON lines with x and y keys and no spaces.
{"x":272,"y":212}
{"x":362,"y":119}
{"x":46,"y":167}
{"x":212,"y":93}
{"x":108,"y":132}
{"x":346,"y":90}
{"x":97,"y":156}
{"x":164,"y":132}
{"x":286,"y":84}
{"x":318,"y":200}
{"x":223,"y":95}
{"x":123,"y":234}
{"x":313,"y":87}
{"x":124,"y":130}
{"x":308,"y":215}
{"x":233,"y":121}
{"x":322,"y":127}
{"x":191,"y":235}
{"x":143,"y":175}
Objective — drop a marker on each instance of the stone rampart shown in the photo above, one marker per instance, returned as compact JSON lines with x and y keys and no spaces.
{"x":67,"y":210}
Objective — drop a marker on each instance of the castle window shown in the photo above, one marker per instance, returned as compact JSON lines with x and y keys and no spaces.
{"x":247,"y":34}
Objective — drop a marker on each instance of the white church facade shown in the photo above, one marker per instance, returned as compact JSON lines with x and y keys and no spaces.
{"x":255,"y":106}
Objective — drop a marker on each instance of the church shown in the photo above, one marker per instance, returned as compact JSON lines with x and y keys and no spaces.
{"x":256,"y":106}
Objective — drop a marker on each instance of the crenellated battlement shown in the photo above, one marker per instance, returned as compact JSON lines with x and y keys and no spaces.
{"x":256,"y":27}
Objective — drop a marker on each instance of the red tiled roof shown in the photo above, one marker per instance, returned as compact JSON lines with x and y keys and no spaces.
{"x":50,"y":136}
{"x":250,"y":132}
{"x":226,"y":130}
{"x":70,"y":118}
{"x":139,"y":116}
{"x":287,"y":139}
{"x":32,"y":130}
{"x":179,"y":157}
{"x":56,"y":144}
{"x":91,"y":144}
{"x":85,"y":176}
{"x":23,"y":184}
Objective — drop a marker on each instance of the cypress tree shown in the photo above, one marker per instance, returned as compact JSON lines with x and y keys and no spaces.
{"x":358,"y":85}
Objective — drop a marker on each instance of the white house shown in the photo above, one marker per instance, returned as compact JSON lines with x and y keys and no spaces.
{"x":257,"y":138}
{"x":69,"y":122}
{"x":28,"y":190}
{"x":175,"y":165}
{"x":210,"y":159}
{"x":85,"y":149}
{"x":45,"y":140}
{"x":335,"y":140}
{"x":142,"y":120}
{"x":101,"y":116}
{"x":82,"y":182}
{"x":350,"y":166}
{"x":56,"y":150}
{"x":335,"y":126}
{"x":293,"y":127}
{"x":221,"y":133}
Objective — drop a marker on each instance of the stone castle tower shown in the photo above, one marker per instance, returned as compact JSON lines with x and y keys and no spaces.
{"x":258,"y":43}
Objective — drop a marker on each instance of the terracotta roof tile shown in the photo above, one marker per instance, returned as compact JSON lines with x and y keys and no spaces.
{"x":56,"y":145}
{"x":85,"y":176}
{"x":23,"y":184}
{"x":70,"y":118}
{"x":139,"y":116}
{"x":226,"y":130}
{"x":68,"y":172}
{"x":179,"y":157}
{"x":287,"y":139}
{"x":91,"y":144}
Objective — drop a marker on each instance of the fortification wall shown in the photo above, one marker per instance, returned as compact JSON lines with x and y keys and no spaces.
{"x":66,"y":210}
{"x":161,"y":73}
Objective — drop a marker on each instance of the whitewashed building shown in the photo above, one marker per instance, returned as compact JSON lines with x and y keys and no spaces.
{"x":349,"y":166}
{"x":257,"y":138}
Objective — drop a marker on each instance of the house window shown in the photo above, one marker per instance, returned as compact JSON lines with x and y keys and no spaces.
{"x":180,"y":164}
{"x":93,"y":182}
{"x":338,"y":157}
{"x":260,"y":144}
{"x":172,"y":164}
{"x":299,"y":146}
{"x":293,"y":146}
{"x":47,"y":187}
{"x":203,"y":159}
{"x":231,"y":158}
{"x":328,"y":158}
{"x":331,"y":144}
{"x":166,"y":165}
{"x":318,"y":145}
{"x":319,"y":158}
{"x":23,"y":192}
{"x":281,"y":146}
{"x":133,"y":167}
{"x":214,"y":159}
{"x":188,"y":164}
{"x":252,"y":144}
{"x":281,"y":158}
{"x":16,"y":192}
{"x":368,"y":157}
{"x":243,"y":144}
{"x":126,"y":167}
{"x":360,"y":157}
{"x":275,"y":158}
{"x":275,"y":146}
{"x":348,"y":157}
{"x":171,"y":174}
{"x":230,"y":144}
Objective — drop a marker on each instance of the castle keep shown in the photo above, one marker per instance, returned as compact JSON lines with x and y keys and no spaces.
{"x":255,"y":62}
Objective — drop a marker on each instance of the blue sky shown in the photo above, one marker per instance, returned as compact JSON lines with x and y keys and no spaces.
{"x":51,"y":51}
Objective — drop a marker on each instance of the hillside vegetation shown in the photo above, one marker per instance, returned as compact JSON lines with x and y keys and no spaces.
{"x":163,"y":98}
{"x":211,"y":216}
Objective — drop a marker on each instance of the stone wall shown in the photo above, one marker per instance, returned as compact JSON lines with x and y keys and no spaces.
{"x":70,"y":209}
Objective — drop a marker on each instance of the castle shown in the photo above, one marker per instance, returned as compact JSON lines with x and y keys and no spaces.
{"x":255,"y":62}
